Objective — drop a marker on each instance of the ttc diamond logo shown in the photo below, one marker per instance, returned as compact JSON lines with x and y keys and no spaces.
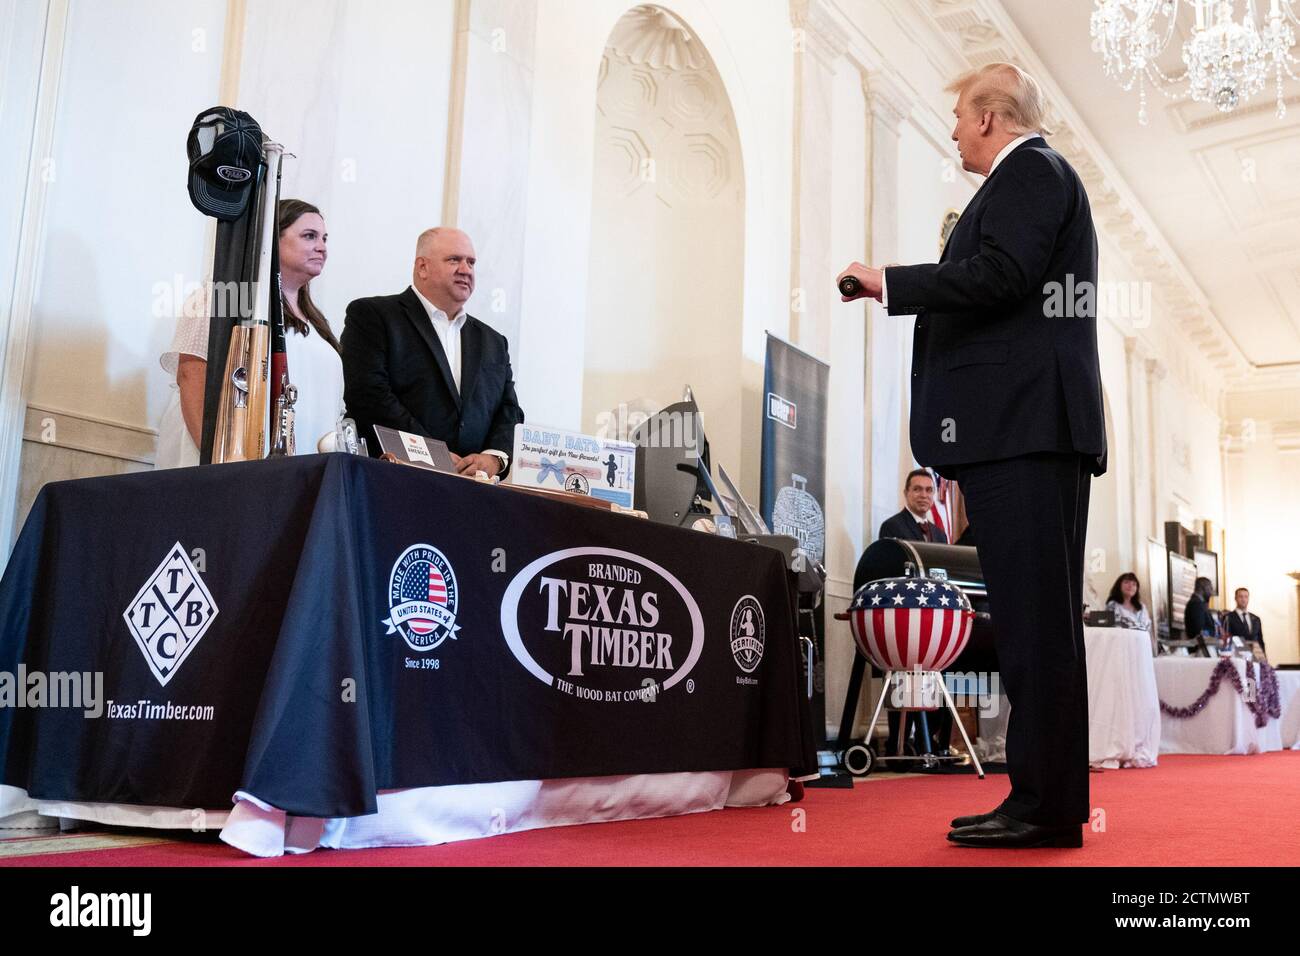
{"x":170,"y":614}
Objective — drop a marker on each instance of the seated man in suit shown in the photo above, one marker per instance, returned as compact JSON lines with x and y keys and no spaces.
{"x":1197,"y":617}
{"x":418,"y":363}
{"x":913,"y":522}
{"x":1243,"y":624}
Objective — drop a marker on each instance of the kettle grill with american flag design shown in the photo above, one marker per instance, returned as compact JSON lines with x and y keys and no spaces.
{"x":912,"y":628}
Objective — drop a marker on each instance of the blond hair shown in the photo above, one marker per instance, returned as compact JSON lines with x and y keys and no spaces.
{"x":1006,"y":91}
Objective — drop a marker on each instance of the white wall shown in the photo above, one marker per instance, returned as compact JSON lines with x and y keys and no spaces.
{"x":359,"y":90}
{"x":1263,"y":516}
{"x":118,"y":220}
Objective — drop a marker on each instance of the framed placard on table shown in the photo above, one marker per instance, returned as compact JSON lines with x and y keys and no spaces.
{"x":418,"y":450}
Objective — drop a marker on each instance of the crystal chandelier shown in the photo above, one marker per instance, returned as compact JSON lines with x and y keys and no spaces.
{"x":1227,"y":60}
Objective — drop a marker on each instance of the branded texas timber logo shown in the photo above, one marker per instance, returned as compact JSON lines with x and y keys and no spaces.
{"x":748,"y":631}
{"x":602,"y":624}
{"x":422,"y":597}
{"x":170,"y":614}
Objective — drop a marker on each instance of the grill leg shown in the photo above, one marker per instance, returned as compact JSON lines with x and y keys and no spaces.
{"x":970,"y":749}
{"x":880,"y":704}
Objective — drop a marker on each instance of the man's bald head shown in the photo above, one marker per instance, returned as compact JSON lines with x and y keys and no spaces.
{"x":425,"y":244}
{"x":444,"y":268}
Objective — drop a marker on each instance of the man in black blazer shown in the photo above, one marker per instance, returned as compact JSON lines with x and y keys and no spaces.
{"x":1006,"y":399}
{"x":1198,"y":619}
{"x":1243,"y":624}
{"x":418,"y":363}
{"x":913,"y":522}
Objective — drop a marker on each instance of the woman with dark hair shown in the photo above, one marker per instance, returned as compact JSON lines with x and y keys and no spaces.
{"x":1126,"y":601}
{"x":313,"y":349}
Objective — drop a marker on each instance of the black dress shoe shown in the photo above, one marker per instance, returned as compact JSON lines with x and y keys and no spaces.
{"x":1003,"y":831}
{"x":973,"y":820}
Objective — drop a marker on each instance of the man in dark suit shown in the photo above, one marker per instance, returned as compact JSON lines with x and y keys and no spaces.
{"x":913,"y":522}
{"x":1197,"y":617}
{"x":1243,"y":624}
{"x":418,"y":363}
{"x":1006,"y":400}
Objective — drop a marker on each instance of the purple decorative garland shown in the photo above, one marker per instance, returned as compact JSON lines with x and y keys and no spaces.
{"x":1267,"y":702}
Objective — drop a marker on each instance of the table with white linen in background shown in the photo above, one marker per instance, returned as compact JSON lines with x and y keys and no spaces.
{"x":1123,"y":707}
{"x":1226,"y":725}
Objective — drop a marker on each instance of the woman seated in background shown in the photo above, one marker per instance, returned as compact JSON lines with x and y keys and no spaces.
{"x":311,"y":345}
{"x":1126,"y":601}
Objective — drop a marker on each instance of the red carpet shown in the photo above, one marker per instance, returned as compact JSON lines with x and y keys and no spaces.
{"x":1189,"y":811}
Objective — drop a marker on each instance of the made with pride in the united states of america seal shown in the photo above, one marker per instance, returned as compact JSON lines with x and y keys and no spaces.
{"x":422,"y":596}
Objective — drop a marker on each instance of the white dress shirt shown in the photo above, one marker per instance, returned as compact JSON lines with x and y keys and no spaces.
{"x":448,"y":331}
{"x":921,"y":520}
{"x":1003,"y":153}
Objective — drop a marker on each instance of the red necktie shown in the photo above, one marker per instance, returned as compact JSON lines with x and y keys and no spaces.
{"x":925,"y":530}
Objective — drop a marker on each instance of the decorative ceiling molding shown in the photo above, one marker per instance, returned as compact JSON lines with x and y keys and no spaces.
{"x":889,"y":101}
{"x":1286,"y":437}
{"x":981,"y":32}
{"x":651,"y":36}
{"x":824,"y":36}
{"x":1192,"y":117}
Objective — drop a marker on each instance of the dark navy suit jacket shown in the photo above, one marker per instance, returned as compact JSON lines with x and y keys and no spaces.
{"x":395,"y":373}
{"x":1251,"y":630}
{"x":903,"y":525}
{"x":995,"y":375}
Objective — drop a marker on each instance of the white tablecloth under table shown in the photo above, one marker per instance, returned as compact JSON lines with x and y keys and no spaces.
{"x":1123,"y":706}
{"x":1226,"y":725}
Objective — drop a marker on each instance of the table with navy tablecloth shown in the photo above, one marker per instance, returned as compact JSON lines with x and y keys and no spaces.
{"x":314,"y":642}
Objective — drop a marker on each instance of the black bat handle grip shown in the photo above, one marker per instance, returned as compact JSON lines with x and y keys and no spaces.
{"x":850,"y":285}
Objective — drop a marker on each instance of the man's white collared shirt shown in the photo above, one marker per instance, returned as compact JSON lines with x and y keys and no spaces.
{"x":448,"y":331}
{"x":1006,"y":150}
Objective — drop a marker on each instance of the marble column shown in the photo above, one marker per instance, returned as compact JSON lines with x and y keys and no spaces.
{"x":1156,"y":372}
{"x":33,"y":36}
{"x":889,"y":374}
{"x":488,"y":149}
{"x":885,"y":443}
{"x":820,"y":43}
{"x":1134,"y":356}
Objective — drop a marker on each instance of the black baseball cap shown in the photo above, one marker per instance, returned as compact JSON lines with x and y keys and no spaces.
{"x":225,"y":148}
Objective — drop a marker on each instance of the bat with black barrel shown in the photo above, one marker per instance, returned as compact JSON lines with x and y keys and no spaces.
{"x":234,"y":177}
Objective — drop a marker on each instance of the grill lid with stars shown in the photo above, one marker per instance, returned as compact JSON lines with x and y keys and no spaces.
{"x":908,"y":623}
